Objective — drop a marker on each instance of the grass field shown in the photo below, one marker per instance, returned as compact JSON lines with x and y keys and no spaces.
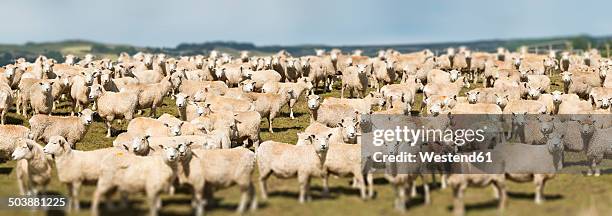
{"x":567,"y":194}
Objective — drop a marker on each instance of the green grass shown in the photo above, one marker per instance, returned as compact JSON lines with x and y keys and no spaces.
{"x":567,"y":194}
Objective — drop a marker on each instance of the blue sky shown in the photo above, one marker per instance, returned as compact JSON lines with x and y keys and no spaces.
{"x":287,"y":22}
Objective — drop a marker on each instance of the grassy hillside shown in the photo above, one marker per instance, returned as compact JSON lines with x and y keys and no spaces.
{"x":9,"y":52}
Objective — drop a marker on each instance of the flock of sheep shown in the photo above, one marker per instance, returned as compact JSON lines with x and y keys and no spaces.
{"x":215,"y":141}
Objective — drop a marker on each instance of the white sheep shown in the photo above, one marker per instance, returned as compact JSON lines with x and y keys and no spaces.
{"x":151,"y":95}
{"x":71,"y":128}
{"x":33,"y":169}
{"x":329,"y":115}
{"x":75,"y":167}
{"x":355,"y":79}
{"x":9,"y":134}
{"x":126,"y":173}
{"x":112,"y":105}
{"x":363,"y":105}
{"x":286,"y":161}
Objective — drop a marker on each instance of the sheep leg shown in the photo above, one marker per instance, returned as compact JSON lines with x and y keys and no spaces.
{"x":270,"y":124}
{"x":458,"y":205}
{"x":370,"y":179}
{"x":413,"y":190}
{"x":21,"y":184}
{"x":252,"y":196}
{"x":263,"y":177}
{"x":502,"y":195}
{"x":290,"y":113}
{"x":153,"y":111}
{"x":326,"y":185}
{"x":3,"y":116}
{"x":108,"y":127}
{"x":199,"y":203}
{"x":304,"y":181}
{"x":244,"y":198}
{"x":400,"y":198}
{"x":426,"y":193}
{"x":362,"y":186}
{"x":342,"y":91}
{"x":539,"y":181}
{"x":75,"y":195}
{"x":153,"y":201}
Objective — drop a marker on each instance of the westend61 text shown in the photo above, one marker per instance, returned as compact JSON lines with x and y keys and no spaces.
{"x":403,"y":157}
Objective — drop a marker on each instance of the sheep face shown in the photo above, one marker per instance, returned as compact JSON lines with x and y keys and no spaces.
{"x":472,"y":97}
{"x":435,"y":109}
{"x":105,"y":78}
{"x":519,"y":119}
{"x":533,"y":92}
{"x":181,"y":100}
{"x":349,"y":126}
{"x":361,"y":69}
{"x":603,"y":72}
{"x":220,"y":72}
{"x":175,"y":129}
{"x":95,"y":92}
{"x":566,"y":77}
{"x":9,"y":72}
{"x":501,"y":100}
{"x":546,"y":126}
{"x":70,"y":59}
{"x":454,"y":75}
{"x":586,"y":126}
{"x":56,"y":146}
{"x":313,"y":102}
{"x":557,"y":97}
{"x":90,"y":76}
{"x":176,"y":79}
{"x":45,"y":86}
{"x":377,"y":99}
{"x":171,"y":64}
{"x":140,"y":144}
{"x":86,"y":116}
{"x":148,"y":61}
{"x":389,"y":64}
{"x":555,"y":143}
{"x":183,"y":149}
{"x":305,"y":63}
{"x":320,"y":142}
{"x":23,"y":150}
{"x":319,"y":52}
{"x":170,"y":153}
{"x":248,"y":85}
{"x":603,"y":103}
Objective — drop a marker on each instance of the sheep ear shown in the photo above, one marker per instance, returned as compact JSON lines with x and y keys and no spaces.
{"x":329,"y":135}
{"x":126,"y":147}
{"x":30,"y":145}
{"x":311,"y":137}
{"x":161,"y":146}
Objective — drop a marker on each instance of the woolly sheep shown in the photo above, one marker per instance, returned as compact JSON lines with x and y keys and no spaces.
{"x":71,"y":128}
{"x":112,"y":105}
{"x":33,"y":169}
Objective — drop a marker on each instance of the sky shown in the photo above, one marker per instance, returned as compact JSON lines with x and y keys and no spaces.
{"x":297,"y":22}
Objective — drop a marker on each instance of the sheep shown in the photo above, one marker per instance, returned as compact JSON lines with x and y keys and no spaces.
{"x":579,"y":84}
{"x":599,"y":97}
{"x":463,"y":108}
{"x":482,"y":95}
{"x":447,"y":89}
{"x":355,"y":79}
{"x":532,"y":130}
{"x":186,"y":127}
{"x":33,"y":169}
{"x":9,"y":134}
{"x":395,"y":106}
{"x":151,"y":95}
{"x":153,"y":127}
{"x":345,"y":160}
{"x":261,"y":77}
{"x":222,"y":103}
{"x":207,"y":169}
{"x":364,"y":105}
{"x":232,"y":74}
{"x":190,"y":87}
{"x":329,"y":115}
{"x":547,"y":161}
{"x":181,"y":105}
{"x":460,"y":182}
{"x":6,"y":100}
{"x":286,"y":160}
{"x":269,"y":104}
{"x":521,"y":106}
{"x":128,"y":174}
{"x":113,"y":105}
{"x":345,"y":132}
{"x":541,"y":82}
{"x":80,"y":88}
{"x":39,"y":98}
{"x":384,"y":72}
{"x":75,"y":167}
{"x":408,"y":90}
{"x":598,"y":148}
{"x":301,"y":85}
{"x":574,"y":107}
{"x":442,"y":77}
{"x":72,"y":128}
